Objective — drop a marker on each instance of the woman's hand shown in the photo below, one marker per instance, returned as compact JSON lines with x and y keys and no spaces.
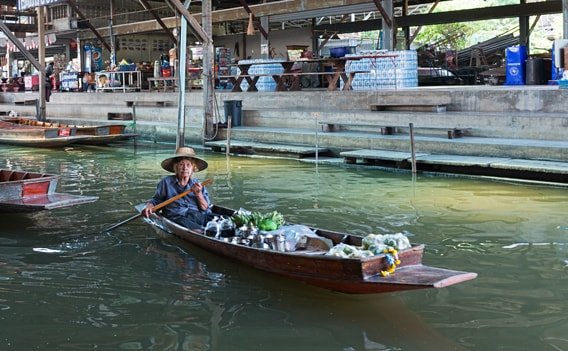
{"x":197,"y":188}
{"x":149,"y":209}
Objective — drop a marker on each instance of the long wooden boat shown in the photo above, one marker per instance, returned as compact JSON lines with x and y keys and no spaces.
{"x":15,"y":134}
{"x":316,"y":267}
{"x":90,"y":135}
{"x":22,"y":191}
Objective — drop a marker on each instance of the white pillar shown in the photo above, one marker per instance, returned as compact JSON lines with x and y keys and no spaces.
{"x":41,"y":58}
{"x":565,"y":15}
{"x":264,"y":42}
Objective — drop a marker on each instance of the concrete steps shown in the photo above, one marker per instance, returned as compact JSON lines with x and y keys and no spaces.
{"x":350,"y":140}
{"x":254,"y":148}
{"x":488,"y":124}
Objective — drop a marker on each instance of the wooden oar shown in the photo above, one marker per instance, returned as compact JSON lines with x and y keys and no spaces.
{"x":160,"y":205}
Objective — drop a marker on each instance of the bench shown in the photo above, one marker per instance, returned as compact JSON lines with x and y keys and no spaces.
{"x":114,"y":116}
{"x":388,"y":129}
{"x":25,"y":102}
{"x":160,"y":103}
{"x":409,"y":107}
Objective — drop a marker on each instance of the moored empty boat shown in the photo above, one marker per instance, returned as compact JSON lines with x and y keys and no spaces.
{"x":22,"y":191}
{"x":91,"y":135}
{"x":27,"y":135}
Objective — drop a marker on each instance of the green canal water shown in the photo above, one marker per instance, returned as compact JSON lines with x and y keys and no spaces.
{"x":66,"y":284}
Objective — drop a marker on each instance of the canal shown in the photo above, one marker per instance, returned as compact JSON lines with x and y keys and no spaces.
{"x":67,"y":284}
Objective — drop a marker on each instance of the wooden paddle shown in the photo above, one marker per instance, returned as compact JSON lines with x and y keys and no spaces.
{"x":160,"y":205}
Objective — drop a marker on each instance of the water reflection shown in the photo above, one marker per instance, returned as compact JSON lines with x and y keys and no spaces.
{"x":79,"y":287}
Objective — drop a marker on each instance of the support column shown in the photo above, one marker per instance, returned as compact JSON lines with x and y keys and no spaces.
{"x":264,"y":42}
{"x":388,"y":32}
{"x":524,"y":37}
{"x":208,"y":72}
{"x":181,"y":72}
{"x":41,"y":58}
{"x":112,"y":37}
{"x":565,"y":16}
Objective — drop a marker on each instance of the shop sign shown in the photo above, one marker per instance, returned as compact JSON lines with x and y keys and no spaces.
{"x":28,"y":4}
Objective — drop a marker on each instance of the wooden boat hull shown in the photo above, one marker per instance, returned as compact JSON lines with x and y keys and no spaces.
{"x":15,"y":134}
{"x":15,"y":128}
{"x":105,"y":134}
{"x":353,"y":276}
{"x":22,"y":191}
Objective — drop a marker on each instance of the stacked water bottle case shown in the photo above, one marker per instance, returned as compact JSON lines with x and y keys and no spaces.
{"x":263,"y":66}
{"x":388,"y":70}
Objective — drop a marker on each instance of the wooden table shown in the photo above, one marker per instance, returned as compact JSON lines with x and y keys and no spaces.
{"x":118,"y":81}
{"x":162,"y":83}
{"x":291,"y":80}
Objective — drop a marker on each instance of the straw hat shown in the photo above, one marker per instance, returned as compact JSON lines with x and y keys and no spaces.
{"x":181,"y":153}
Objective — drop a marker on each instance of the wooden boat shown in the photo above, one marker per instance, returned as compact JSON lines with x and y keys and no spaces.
{"x":15,"y":134}
{"x":90,"y":135}
{"x":22,"y":191}
{"x":314,"y":266}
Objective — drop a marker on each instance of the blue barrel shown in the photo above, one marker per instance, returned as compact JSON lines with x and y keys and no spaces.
{"x":516,"y":57}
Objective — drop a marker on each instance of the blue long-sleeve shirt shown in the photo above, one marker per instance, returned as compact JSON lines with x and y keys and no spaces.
{"x":169,"y":187}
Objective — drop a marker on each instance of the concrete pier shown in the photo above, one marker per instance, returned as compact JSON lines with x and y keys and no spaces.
{"x":528,"y":123}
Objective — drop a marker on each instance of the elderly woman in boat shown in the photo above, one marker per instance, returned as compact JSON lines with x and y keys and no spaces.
{"x":190,"y":211}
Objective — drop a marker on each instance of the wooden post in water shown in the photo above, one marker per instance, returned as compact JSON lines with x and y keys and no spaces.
{"x":228,"y":147}
{"x":412,"y":148}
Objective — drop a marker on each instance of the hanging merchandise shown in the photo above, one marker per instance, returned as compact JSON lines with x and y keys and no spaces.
{"x":250,"y":28}
{"x":93,"y":58}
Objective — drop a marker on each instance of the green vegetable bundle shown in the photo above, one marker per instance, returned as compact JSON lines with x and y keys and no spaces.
{"x":267,"y":221}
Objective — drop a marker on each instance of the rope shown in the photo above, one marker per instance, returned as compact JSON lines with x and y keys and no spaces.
{"x":211,"y":85}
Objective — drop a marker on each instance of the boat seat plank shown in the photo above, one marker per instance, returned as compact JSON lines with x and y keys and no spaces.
{"x":19,"y":175}
{"x":423,"y":275}
{"x":5,"y":175}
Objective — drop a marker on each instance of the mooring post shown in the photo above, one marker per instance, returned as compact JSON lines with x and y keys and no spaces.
{"x":412,"y":149}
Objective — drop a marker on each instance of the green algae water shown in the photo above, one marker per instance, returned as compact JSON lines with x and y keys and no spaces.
{"x":66,"y":284}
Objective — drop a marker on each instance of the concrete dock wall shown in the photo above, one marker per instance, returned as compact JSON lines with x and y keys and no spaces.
{"x":520,"y":113}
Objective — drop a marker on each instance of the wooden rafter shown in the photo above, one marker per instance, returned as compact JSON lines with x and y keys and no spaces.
{"x":417,"y":31}
{"x":194,"y":25}
{"x":384,"y":14}
{"x":20,"y":46}
{"x":149,"y":8}
{"x":73,"y":4}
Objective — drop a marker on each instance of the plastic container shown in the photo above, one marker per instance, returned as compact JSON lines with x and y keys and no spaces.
{"x":535,"y":72}
{"x":339,"y":51}
{"x":516,"y":57}
{"x":233,"y":110}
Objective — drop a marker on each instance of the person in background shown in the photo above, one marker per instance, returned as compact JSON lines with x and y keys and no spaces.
{"x":192,"y":210}
{"x":49,"y":70}
{"x":48,"y":74}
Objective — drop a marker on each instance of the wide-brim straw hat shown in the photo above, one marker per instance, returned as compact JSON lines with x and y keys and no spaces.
{"x":181,"y":153}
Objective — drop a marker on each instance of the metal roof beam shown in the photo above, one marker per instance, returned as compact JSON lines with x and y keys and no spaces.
{"x":508,"y":11}
{"x":237,"y":13}
{"x":149,"y":8}
{"x":91,"y":27}
{"x":486,"y":13}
